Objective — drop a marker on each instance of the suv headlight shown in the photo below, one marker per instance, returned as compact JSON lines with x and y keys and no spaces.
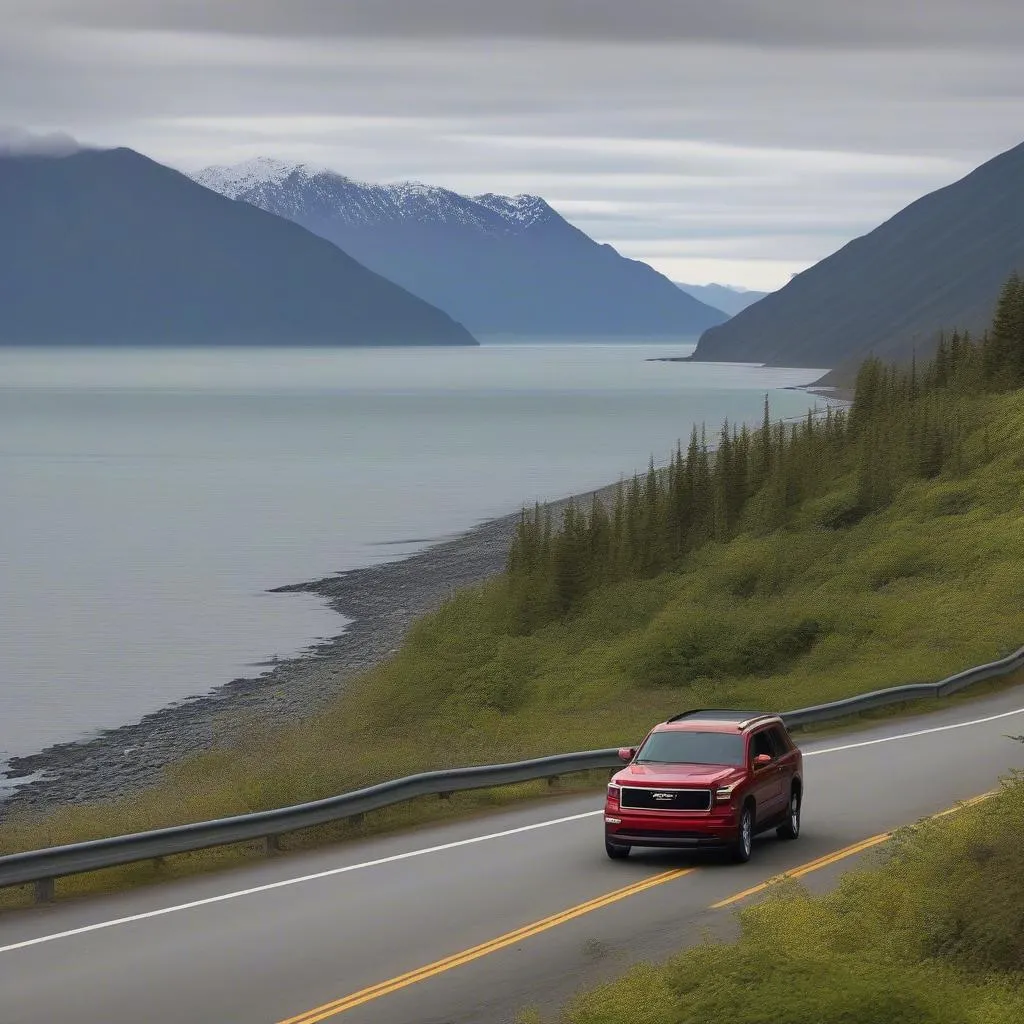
{"x":723,"y":794}
{"x":613,"y":792}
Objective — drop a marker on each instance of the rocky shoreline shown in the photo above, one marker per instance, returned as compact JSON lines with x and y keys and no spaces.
{"x":381,"y":600}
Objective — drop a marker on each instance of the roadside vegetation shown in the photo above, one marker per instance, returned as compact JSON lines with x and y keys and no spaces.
{"x":794,"y":565}
{"x":931,"y":933}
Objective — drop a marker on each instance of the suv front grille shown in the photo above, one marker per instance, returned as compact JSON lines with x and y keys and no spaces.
{"x":665,"y":799}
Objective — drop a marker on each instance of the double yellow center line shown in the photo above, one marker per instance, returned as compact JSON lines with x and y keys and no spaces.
{"x":832,"y":858}
{"x":458,"y":959}
{"x":384,"y":988}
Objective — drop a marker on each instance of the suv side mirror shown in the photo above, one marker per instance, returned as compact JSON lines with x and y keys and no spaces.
{"x":627,"y":754}
{"x":762,"y":759}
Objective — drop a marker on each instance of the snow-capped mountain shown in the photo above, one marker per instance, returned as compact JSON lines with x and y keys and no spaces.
{"x":295,"y":188}
{"x":501,"y":265}
{"x":234,"y":181}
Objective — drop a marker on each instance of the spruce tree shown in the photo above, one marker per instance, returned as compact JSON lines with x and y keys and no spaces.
{"x":570,"y":560}
{"x":722,"y":477}
{"x":742,"y":484}
{"x":940,"y":373}
{"x":599,"y":543}
{"x":764,"y":448}
{"x":1017,"y":337}
{"x":703,"y":495}
{"x":618,"y":555}
{"x":1003,"y":357}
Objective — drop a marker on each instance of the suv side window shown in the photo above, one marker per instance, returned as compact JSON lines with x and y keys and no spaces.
{"x":778,"y":741}
{"x":761,"y":744}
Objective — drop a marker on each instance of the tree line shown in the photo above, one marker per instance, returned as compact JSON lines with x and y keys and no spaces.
{"x":903,"y":423}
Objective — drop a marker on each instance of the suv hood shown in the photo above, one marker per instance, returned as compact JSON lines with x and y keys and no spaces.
{"x":677,"y":775}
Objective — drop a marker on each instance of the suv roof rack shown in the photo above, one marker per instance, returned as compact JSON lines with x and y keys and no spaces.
{"x":743,"y":719}
{"x":759,"y":718}
{"x":720,"y":715}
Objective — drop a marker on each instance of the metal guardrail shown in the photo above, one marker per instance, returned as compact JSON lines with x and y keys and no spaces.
{"x":42,"y":867}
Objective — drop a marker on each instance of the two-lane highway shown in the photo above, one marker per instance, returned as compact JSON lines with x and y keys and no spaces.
{"x":471,"y":921}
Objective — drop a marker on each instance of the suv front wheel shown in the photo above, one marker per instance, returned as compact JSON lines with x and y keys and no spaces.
{"x":791,"y":828}
{"x":745,"y":835}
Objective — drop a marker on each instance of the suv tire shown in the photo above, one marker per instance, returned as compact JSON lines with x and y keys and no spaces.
{"x":744,"y":842}
{"x":615,"y":851}
{"x":791,"y":828}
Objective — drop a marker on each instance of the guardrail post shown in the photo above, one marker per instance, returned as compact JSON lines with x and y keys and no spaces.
{"x":444,"y":796}
{"x":44,"y":890}
{"x":271,"y":845}
{"x":552,"y":779}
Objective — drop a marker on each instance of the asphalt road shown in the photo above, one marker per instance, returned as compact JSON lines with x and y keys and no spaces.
{"x":482,"y":917}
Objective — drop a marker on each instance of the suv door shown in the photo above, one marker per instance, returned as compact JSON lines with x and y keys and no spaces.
{"x":788,"y":756}
{"x":769,"y":780}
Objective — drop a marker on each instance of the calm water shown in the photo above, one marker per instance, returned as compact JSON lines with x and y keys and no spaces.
{"x":148,"y":499}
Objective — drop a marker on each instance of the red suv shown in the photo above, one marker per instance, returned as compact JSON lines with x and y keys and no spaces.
{"x":706,"y":778}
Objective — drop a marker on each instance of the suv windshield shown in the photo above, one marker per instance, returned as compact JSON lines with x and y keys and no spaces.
{"x":677,"y":747}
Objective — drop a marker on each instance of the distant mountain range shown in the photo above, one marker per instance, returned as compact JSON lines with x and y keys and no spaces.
{"x":728,"y":300}
{"x":939,"y":264}
{"x":109,"y":247}
{"x":500,"y":265}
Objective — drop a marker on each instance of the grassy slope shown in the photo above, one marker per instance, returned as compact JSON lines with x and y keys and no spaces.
{"x":929,"y":586}
{"x":932,"y":935}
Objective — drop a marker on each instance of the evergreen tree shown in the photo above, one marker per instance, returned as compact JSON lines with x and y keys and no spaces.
{"x":599,"y":544}
{"x":570,"y":560}
{"x":940,"y":373}
{"x":1003,"y":355}
{"x":653,"y":525}
{"x":703,"y":495}
{"x":1017,"y":337}
{"x":677,"y":513}
{"x":764,"y":448}
{"x":722,"y":476}
{"x":742,"y":481}
{"x":635,"y":547}
{"x":618,"y":555}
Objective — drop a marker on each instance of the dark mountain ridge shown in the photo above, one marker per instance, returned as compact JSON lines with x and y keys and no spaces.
{"x":110,"y":247}
{"x":938,"y":264}
{"x":720,"y":296}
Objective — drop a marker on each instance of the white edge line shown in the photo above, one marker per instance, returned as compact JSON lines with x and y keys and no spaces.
{"x":293,"y":881}
{"x":910,"y":735}
{"x":39,"y":940}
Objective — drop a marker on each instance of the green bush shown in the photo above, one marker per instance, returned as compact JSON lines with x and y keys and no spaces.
{"x":838,"y":511}
{"x":952,"y":500}
{"x":899,"y":558}
{"x":773,"y":648}
{"x":686,"y":644}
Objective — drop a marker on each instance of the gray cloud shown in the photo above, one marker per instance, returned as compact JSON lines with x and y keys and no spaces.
{"x":735,"y":148}
{"x":16,"y":141}
{"x":787,"y":23}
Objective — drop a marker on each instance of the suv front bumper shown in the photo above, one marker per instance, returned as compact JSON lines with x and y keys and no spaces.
{"x":718,"y":828}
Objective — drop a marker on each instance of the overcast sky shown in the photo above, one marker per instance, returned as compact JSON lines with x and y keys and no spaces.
{"x":736,"y":141}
